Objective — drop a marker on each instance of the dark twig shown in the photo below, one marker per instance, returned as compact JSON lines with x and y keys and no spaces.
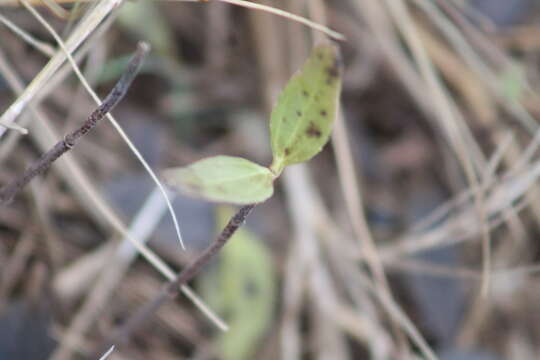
{"x":172,"y":289}
{"x":8,"y":192}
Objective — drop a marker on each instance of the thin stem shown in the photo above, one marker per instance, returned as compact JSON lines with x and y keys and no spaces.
{"x":8,"y":192}
{"x":172,"y":289}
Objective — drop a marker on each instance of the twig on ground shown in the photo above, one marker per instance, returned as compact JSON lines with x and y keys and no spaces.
{"x":8,"y":192}
{"x":172,"y":289}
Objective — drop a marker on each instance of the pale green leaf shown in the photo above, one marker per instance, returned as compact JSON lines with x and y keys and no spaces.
{"x":241,"y":287}
{"x":301,"y":121}
{"x":224,"y":179}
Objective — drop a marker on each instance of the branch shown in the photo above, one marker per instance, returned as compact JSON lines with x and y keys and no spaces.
{"x":172,"y":289}
{"x":8,"y":192}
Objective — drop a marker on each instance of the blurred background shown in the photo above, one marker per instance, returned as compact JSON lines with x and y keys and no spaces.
{"x":413,"y":235}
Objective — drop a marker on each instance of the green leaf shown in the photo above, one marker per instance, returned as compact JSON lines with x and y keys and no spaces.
{"x":301,"y":121}
{"x":241,"y":287}
{"x":223,"y":179}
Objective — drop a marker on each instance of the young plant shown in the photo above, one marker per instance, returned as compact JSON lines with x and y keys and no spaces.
{"x":300,"y":125}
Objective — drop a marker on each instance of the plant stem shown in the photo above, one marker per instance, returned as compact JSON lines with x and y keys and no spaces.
{"x":8,"y":192}
{"x":172,"y":289}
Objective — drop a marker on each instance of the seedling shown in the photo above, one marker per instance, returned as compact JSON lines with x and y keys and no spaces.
{"x":300,"y":125}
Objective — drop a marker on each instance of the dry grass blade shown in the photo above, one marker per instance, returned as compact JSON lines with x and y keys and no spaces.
{"x":45,"y":48}
{"x":351,"y":194}
{"x":272,"y":10}
{"x":12,"y":126}
{"x":451,"y":121}
{"x":503,"y":195}
{"x":350,"y":190}
{"x":78,"y":36}
{"x":471,"y":57}
{"x":306,"y":259}
{"x":106,"y":355}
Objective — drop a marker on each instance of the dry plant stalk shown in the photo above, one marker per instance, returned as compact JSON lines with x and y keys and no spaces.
{"x":173,"y":288}
{"x":8,"y":191}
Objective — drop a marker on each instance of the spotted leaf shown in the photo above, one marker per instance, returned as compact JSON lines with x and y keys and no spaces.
{"x":301,"y":121}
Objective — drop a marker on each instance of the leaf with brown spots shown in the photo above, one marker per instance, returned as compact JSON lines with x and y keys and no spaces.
{"x":223,"y":179}
{"x":302,"y":119}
